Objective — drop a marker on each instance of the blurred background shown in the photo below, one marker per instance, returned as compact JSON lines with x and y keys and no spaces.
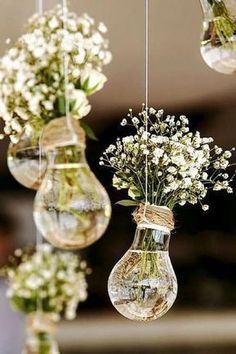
{"x":203,"y":247}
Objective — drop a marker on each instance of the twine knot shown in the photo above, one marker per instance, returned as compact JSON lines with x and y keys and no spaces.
{"x":153,"y":214}
{"x":57,"y":133}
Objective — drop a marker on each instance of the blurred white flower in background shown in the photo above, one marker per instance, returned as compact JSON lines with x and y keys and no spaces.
{"x":32,"y":71}
{"x":56,"y":279}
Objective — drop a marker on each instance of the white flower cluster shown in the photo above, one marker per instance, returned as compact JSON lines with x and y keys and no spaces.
{"x":181,"y":166}
{"x":32,"y":71}
{"x":52,"y":281}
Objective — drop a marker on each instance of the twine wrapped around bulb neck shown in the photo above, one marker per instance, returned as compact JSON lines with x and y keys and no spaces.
{"x":57,"y":134}
{"x":40,"y":322}
{"x":154,"y":215}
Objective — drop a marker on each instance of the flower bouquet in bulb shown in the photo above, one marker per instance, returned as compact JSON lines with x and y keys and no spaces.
{"x":161,"y":165}
{"x":218,"y":46}
{"x":32,"y":77}
{"x":45,"y":286}
{"x":71,"y":208}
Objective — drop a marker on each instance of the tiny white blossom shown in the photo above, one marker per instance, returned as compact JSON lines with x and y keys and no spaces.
{"x":135,"y":120}
{"x":53,"y":23}
{"x":14,"y":139}
{"x":102,"y":28}
{"x":48,"y":105}
{"x":58,"y":280}
{"x":32,"y":74}
{"x":182,"y":166}
{"x":218,"y":150}
{"x":227,"y":154}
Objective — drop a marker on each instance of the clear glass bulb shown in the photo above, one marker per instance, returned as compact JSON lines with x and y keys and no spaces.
{"x":71,"y":209}
{"x":218,"y":43}
{"x":41,"y":329}
{"x":142,"y":286}
{"x":23,"y":161}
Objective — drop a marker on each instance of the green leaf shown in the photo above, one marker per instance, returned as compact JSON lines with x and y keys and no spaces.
{"x":61,"y":105}
{"x":85,"y":87}
{"x":92,"y":90}
{"x":134,"y":192}
{"x":72,"y":105}
{"x":127,"y":202}
{"x":85,"y":84}
{"x":88,"y":131}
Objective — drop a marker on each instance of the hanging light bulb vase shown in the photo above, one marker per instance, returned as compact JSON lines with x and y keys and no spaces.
{"x":72,"y":209}
{"x":142,"y":285}
{"x":161,"y":165}
{"x":41,"y":329}
{"x":24,"y":159}
{"x":218,"y":44}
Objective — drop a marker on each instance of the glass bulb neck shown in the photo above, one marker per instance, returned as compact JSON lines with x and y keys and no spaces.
{"x":151,"y":240}
{"x":66,"y":155}
{"x":218,"y":8}
{"x":207,"y":7}
{"x":41,"y":323}
{"x":40,"y":334}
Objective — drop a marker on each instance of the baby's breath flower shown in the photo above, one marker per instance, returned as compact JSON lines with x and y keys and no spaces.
{"x":102,"y":28}
{"x":216,"y":165}
{"x":18,"y":252}
{"x":218,"y":150}
{"x":182,"y":166}
{"x":14,"y":138}
{"x":31,"y":72}
{"x":58,"y":278}
{"x":135,"y":120}
{"x":227,"y":154}
{"x":123,"y":122}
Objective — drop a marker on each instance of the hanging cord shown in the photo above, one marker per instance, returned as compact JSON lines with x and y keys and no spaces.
{"x":146,"y":94}
{"x":39,"y":7}
{"x":66,"y":74}
{"x":39,"y":238}
{"x":146,"y":53}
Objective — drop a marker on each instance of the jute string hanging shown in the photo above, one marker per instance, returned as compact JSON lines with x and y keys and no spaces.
{"x":66,"y":73}
{"x":39,"y":238}
{"x":146,"y":213}
{"x":146,"y":94}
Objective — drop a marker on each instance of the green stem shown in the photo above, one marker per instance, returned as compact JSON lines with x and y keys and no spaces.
{"x":224,"y":24}
{"x":149,"y":262}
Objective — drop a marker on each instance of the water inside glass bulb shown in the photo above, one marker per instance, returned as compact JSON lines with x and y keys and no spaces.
{"x":142,"y":286}
{"x":71,"y":209}
{"x":24,"y":162}
{"x":218,"y":42}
